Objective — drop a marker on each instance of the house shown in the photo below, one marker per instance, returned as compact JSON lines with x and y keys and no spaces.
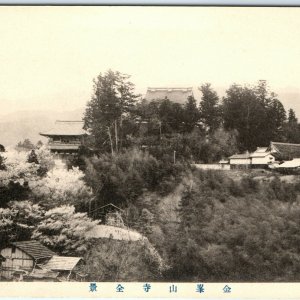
{"x":68,"y":268}
{"x":240,"y":161}
{"x":31,"y":261}
{"x":66,"y":137}
{"x":178,"y":95}
{"x":261,"y":158}
{"x":224,"y":164}
{"x":23,"y":256}
{"x":284,"y":151}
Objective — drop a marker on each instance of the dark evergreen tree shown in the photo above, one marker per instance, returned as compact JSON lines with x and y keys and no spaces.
{"x":292,"y":119}
{"x":112,"y":101}
{"x":210,"y":113}
{"x":256,"y":114}
{"x":191,"y":114}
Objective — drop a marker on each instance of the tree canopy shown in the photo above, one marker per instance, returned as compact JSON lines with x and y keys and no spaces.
{"x":111,"y":103}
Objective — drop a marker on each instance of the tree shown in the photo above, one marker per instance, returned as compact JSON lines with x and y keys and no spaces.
{"x":145,"y":222}
{"x":2,"y":163}
{"x":292,"y":128}
{"x":292,"y":119}
{"x":61,"y":187}
{"x":275,"y":114}
{"x":32,"y":157}
{"x":111,"y":103}
{"x":170,"y":116}
{"x":18,"y":221}
{"x":256,"y":114}
{"x":191,"y":114}
{"x":209,"y":108}
{"x":64,"y":231}
{"x":25,"y":145}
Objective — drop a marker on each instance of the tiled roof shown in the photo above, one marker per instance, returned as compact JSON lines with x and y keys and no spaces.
{"x":261,"y":150}
{"x":178,"y":95}
{"x":34,"y":249}
{"x":62,"y":263}
{"x":295,"y":163}
{"x":240,"y":156}
{"x":285,"y":151}
{"x":260,"y":154}
{"x":69,"y":128}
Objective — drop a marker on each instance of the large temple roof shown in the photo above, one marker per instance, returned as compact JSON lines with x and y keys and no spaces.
{"x":178,"y":95}
{"x":66,"y":128}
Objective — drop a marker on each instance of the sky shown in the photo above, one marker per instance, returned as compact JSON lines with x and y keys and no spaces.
{"x":50,"y":55}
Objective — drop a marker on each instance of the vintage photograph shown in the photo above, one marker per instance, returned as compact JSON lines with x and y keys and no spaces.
{"x":154,"y":144}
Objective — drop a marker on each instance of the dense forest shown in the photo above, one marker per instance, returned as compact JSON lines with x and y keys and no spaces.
{"x":198,"y":225}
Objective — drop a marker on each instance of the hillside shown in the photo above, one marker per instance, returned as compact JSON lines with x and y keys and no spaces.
{"x":122,"y":260}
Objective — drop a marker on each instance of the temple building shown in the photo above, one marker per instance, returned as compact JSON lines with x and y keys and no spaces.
{"x":178,"y":95}
{"x":66,"y":137}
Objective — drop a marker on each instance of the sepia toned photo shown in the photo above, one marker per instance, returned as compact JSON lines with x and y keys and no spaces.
{"x":149,"y":144}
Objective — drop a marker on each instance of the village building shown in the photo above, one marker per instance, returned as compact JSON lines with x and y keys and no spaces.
{"x":284,"y":151}
{"x":178,"y":95}
{"x":66,"y":137}
{"x":23,"y":257}
{"x":261,"y":158}
{"x":67,"y":267}
{"x":240,"y":161}
{"x":31,"y":261}
{"x":293,"y":164}
{"x":272,"y":157}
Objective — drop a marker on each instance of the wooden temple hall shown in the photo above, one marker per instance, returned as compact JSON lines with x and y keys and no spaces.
{"x":65,"y":137}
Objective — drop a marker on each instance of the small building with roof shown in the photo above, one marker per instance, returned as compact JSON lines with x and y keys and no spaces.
{"x":178,"y":95}
{"x":261,"y":158}
{"x":284,"y":151}
{"x":23,"y":256}
{"x":68,"y":267}
{"x":240,"y":161}
{"x":65,"y":137}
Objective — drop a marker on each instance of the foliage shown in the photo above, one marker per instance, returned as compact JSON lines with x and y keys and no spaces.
{"x":19,"y":174}
{"x":60,"y":187}
{"x":113,"y":260}
{"x":2,"y":163}
{"x":63,"y":230}
{"x":25,"y":145}
{"x":122,"y":179}
{"x":18,"y":221}
{"x":45,"y":160}
{"x":32,"y":157}
{"x":210,"y":112}
{"x":245,"y":236}
{"x":255,"y":113}
{"x":112,"y":101}
{"x":191,"y":114}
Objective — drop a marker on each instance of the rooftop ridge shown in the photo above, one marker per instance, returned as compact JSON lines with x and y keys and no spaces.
{"x":281,"y":143}
{"x":170,"y":88}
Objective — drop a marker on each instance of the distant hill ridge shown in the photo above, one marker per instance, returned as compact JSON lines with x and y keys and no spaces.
{"x":19,"y":125}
